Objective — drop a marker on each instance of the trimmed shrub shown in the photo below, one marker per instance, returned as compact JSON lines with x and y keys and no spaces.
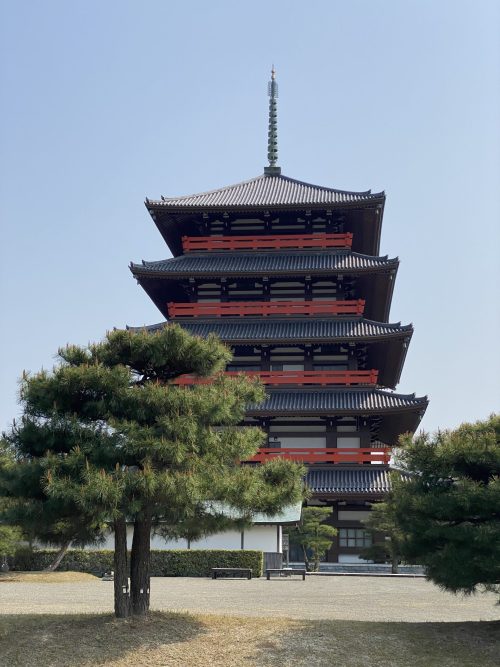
{"x":198,"y":563}
{"x":164,"y":563}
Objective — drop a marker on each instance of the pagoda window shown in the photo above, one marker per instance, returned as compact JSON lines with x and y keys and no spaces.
{"x":288,"y":359}
{"x":287,"y":367}
{"x":250,"y":224}
{"x":346,"y":428}
{"x":354,"y":537}
{"x":325,"y":288}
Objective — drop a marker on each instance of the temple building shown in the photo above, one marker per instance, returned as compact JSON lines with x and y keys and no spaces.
{"x":289,"y":275}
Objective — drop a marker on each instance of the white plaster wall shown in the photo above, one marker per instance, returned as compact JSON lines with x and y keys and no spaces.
{"x":229,"y":540}
{"x":157,"y":542}
{"x":261,"y":538}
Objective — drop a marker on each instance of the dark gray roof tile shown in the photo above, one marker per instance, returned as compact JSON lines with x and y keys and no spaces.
{"x":291,"y":329}
{"x":337,"y":401}
{"x":363,"y":479}
{"x":224,"y":263}
{"x":265,"y":190}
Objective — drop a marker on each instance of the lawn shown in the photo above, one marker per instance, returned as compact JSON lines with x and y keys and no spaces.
{"x":166,"y":639}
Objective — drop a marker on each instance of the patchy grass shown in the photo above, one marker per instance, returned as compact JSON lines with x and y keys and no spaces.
{"x":167,"y":639}
{"x":46,"y":577}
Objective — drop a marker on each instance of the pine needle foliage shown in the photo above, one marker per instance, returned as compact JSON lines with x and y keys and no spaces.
{"x":107,"y":434}
{"x":314,"y":535}
{"x":448,"y":507}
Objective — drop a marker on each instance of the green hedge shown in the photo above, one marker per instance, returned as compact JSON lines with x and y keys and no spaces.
{"x":164,"y":563}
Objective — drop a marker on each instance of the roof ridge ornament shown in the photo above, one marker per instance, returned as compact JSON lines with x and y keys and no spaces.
{"x":272,"y":140}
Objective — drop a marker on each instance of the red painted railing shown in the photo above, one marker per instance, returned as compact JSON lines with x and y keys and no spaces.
{"x":265,"y":308}
{"x":271,"y":242}
{"x":347,"y":378}
{"x":323,"y":455}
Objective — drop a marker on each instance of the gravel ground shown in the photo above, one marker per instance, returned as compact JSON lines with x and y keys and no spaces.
{"x":349,"y":598}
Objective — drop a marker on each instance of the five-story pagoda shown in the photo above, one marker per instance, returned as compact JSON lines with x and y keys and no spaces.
{"x":288,"y":274}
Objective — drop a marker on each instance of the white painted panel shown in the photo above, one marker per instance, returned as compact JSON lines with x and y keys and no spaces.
{"x":261,"y":538}
{"x":346,"y":443}
{"x":229,"y":540}
{"x":352,"y":558}
{"x":355,"y":515}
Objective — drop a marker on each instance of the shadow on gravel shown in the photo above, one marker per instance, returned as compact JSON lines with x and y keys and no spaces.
{"x":369,"y":644}
{"x":87,"y":639}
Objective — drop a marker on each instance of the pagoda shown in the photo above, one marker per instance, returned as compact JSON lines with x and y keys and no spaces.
{"x":288,"y":274}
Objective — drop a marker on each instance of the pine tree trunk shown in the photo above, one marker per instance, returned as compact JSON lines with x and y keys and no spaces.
{"x":394,"y":564}
{"x":139,"y":564}
{"x":60,"y":555}
{"x":306,"y":559}
{"x":120,"y":561}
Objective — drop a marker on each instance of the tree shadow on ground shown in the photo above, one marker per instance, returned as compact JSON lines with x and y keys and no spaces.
{"x":383,"y":644}
{"x":82,"y":640}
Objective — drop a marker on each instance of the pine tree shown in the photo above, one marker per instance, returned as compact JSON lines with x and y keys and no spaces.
{"x":313,"y":535}
{"x":139,"y":449}
{"x":45,"y":519}
{"x":448,"y":509}
{"x":386,"y":535}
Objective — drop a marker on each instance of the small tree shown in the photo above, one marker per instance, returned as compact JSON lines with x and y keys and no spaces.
{"x":10,"y":540}
{"x":313,"y":535}
{"x":57,"y":522}
{"x":448,"y":508}
{"x":386,"y":535}
{"x":116,"y":439}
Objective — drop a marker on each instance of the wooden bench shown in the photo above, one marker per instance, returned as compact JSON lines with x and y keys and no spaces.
{"x":244,"y":572}
{"x":286,"y":572}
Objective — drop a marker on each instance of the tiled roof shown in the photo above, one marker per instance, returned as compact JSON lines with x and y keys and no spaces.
{"x":217,"y":263}
{"x":363,"y":479}
{"x":291,"y":329}
{"x":337,"y":401}
{"x":265,"y":190}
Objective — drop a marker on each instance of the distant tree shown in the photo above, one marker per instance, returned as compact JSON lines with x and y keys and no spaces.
{"x":313,"y":535}
{"x":118,"y":440}
{"x":10,"y":540}
{"x":448,"y":508}
{"x":386,"y":536}
{"x":57,"y":522}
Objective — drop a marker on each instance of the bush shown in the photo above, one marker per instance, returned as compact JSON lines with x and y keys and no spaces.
{"x":164,"y":563}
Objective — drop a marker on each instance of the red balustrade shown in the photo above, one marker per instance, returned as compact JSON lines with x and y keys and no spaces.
{"x":271,"y":242}
{"x":323,"y":455}
{"x":347,"y":378}
{"x":265,"y":308}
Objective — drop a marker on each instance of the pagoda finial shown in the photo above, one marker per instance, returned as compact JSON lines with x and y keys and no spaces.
{"x":272,"y":141}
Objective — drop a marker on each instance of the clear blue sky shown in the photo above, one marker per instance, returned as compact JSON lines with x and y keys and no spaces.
{"x":105,"y":103}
